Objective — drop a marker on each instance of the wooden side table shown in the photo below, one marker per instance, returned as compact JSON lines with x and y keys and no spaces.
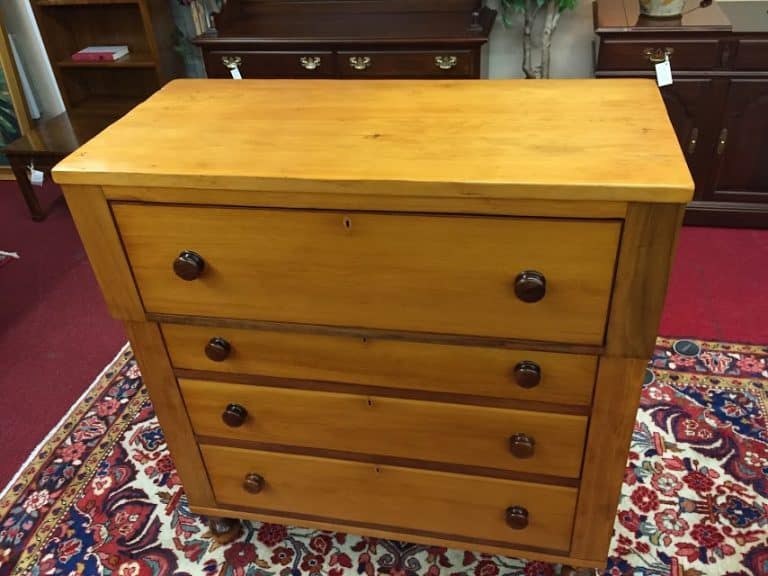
{"x":45,"y":145}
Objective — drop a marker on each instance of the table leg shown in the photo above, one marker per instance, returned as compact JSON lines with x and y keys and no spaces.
{"x":22,"y":179}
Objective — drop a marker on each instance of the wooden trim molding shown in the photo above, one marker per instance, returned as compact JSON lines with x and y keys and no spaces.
{"x":617,"y":390}
{"x":147,"y":343}
{"x":648,"y":243}
{"x":93,"y":219}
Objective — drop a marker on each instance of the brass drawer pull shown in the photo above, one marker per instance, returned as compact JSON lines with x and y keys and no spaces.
{"x":446,"y":62}
{"x":722,"y":141}
{"x":693,"y":142}
{"x":253,"y":483}
{"x":657,"y":55}
{"x":530,"y":286}
{"x":517,"y":517}
{"x":360,"y":62}
{"x":218,"y":349}
{"x":310,"y":62}
{"x":188,"y":265}
{"x":231,"y":62}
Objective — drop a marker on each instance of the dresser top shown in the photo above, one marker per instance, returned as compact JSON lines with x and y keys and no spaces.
{"x":556,"y":139}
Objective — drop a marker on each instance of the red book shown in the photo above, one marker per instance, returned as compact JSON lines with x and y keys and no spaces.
{"x":96,"y":53}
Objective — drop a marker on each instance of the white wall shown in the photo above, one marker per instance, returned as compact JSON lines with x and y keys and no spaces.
{"x":20,"y":23}
{"x":571,"y":45}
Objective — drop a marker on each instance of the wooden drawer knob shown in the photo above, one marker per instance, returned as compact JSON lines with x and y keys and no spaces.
{"x":521,"y":445}
{"x":253,"y":483}
{"x":234,"y":415}
{"x":530,"y":286}
{"x":218,"y":349}
{"x":517,"y":517}
{"x":188,"y":265}
{"x":527,"y":374}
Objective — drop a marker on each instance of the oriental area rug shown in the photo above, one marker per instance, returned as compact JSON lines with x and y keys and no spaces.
{"x":101,"y":494}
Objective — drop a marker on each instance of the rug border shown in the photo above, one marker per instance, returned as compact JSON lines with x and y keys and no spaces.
{"x":57,"y":427}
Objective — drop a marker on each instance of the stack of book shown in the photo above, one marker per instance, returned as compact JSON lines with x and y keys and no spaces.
{"x":96,"y":53}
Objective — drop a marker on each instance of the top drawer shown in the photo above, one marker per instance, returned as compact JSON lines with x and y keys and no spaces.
{"x":403,"y":64}
{"x":218,"y":64}
{"x":643,"y":55}
{"x":453,"y":275}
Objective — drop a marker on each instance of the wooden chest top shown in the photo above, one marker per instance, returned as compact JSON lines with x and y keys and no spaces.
{"x":559,"y":139}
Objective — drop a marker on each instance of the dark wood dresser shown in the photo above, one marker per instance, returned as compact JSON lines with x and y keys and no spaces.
{"x":348,"y":39}
{"x":718,"y":103}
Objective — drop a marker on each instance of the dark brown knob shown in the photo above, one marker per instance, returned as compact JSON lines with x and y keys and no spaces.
{"x":521,"y":445}
{"x":517,"y":517}
{"x":188,"y":265}
{"x":253,"y":483}
{"x":217,"y":349}
{"x":527,"y":374}
{"x":234,"y":415}
{"x":530,"y":286}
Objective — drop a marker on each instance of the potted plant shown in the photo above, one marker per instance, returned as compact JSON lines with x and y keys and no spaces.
{"x":533,"y":12}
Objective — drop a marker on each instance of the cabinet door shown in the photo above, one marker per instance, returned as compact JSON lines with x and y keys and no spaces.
{"x":692,"y":105}
{"x":741,"y":172}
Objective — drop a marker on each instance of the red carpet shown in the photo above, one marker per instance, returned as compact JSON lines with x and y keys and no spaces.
{"x":56,"y":334}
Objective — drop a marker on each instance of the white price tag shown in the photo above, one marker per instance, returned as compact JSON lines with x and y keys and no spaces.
{"x":35,"y":176}
{"x":235,"y":72}
{"x":664,"y":72}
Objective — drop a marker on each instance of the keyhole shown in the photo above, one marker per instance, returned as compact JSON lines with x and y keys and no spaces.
{"x":347,"y":222}
{"x":370,"y":402}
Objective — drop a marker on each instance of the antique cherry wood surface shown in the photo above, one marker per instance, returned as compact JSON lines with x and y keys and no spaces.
{"x":475,"y":348}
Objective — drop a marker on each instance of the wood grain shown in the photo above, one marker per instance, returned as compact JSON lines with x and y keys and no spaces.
{"x":94,"y":223}
{"x":147,"y":344}
{"x":405,"y":199}
{"x":432,"y":431}
{"x":420,"y":499}
{"x":617,"y":394}
{"x":566,"y":378}
{"x":410,"y":272}
{"x":648,"y":245}
{"x":402,"y":534}
{"x":610,"y":140}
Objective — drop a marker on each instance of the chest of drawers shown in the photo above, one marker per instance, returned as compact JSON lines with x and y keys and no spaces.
{"x":368,"y":306}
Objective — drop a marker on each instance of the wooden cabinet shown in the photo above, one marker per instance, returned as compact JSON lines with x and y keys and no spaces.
{"x":718,"y":103}
{"x":389,"y":341}
{"x":347,"y":39}
{"x":741,"y":170}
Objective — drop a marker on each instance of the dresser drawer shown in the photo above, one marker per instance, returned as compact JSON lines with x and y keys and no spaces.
{"x":752,"y":54}
{"x":467,"y":370}
{"x":456,"y":275}
{"x":270,"y":64}
{"x":642,"y":55}
{"x":418,"y":500}
{"x":396,"y":427}
{"x":419,"y":64}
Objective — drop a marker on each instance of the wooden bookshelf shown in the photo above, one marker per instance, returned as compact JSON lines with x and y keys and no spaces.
{"x":145,"y":26}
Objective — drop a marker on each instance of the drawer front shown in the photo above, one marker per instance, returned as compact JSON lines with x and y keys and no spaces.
{"x":270,"y":64}
{"x":454,"y":275}
{"x":642,"y":55}
{"x":418,"y":500}
{"x":395,"y":427}
{"x":401,"y":64}
{"x":469,"y":370}
{"x":752,"y":55}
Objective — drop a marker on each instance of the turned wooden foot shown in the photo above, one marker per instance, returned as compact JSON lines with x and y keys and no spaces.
{"x":571,"y":571}
{"x":225,"y":530}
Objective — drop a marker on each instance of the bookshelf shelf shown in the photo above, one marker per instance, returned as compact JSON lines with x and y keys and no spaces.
{"x":129,"y":61}
{"x":145,"y":26}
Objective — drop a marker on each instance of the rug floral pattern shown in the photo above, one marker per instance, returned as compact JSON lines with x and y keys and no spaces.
{"x":102,"y":496}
